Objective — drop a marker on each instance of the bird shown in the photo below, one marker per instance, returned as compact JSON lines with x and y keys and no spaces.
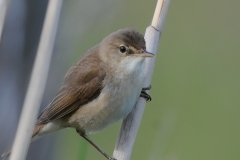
{"x":99,"y":89}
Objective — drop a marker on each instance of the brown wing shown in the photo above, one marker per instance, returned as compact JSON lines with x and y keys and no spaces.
{"x":70,"y":99}
{"x":82,"y":84}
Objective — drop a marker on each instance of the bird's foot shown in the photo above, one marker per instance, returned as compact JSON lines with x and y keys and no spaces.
{"x":145,"y":95}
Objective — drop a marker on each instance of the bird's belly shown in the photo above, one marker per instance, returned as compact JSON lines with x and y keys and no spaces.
{"x":114,"y":103}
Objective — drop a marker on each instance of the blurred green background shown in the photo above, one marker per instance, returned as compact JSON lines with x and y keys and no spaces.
{"x":194,"y":114}
{"x":196,"y":105}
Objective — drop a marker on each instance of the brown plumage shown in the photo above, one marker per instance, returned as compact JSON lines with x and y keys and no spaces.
{"x":99,"y":89}
{"x":82,"y":84}
{"x":129,"y":36}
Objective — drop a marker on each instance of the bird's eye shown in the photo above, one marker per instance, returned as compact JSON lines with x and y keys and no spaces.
{"x":123,"y":49}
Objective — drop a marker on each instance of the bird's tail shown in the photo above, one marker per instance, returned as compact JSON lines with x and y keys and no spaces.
{"x":7,"y":153}
{"x":34,"y":137}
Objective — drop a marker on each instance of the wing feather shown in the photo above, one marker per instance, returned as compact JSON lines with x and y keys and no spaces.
{"x":81,"y":86}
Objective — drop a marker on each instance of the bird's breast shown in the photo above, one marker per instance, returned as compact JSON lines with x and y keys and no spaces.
{"x":117,"y":98}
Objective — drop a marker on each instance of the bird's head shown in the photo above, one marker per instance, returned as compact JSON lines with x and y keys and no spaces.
{"x":125,"y":44}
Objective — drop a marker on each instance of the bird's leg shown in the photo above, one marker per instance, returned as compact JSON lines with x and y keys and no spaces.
{"x":144,"y":94}
{"x":84,"y":135}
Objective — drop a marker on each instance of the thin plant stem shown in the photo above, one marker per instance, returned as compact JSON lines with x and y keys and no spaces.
{"x":130,"y":124}
{"x":37,"y":82}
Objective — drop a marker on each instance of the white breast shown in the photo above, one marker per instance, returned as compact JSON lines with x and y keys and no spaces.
{"x":116,"y":99}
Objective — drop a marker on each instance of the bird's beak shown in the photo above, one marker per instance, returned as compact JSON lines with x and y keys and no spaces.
{"x":146,"y":54}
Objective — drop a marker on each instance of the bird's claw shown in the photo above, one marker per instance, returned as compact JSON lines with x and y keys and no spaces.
{"x":145,"y":95}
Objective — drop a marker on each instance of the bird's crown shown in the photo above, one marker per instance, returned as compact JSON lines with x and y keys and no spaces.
{"x":128,"y":37}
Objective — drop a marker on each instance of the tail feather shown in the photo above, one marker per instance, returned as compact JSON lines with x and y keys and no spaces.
{"x":37,"y":129}
{"x":7,"y":153}
{"x":35,"y":132}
